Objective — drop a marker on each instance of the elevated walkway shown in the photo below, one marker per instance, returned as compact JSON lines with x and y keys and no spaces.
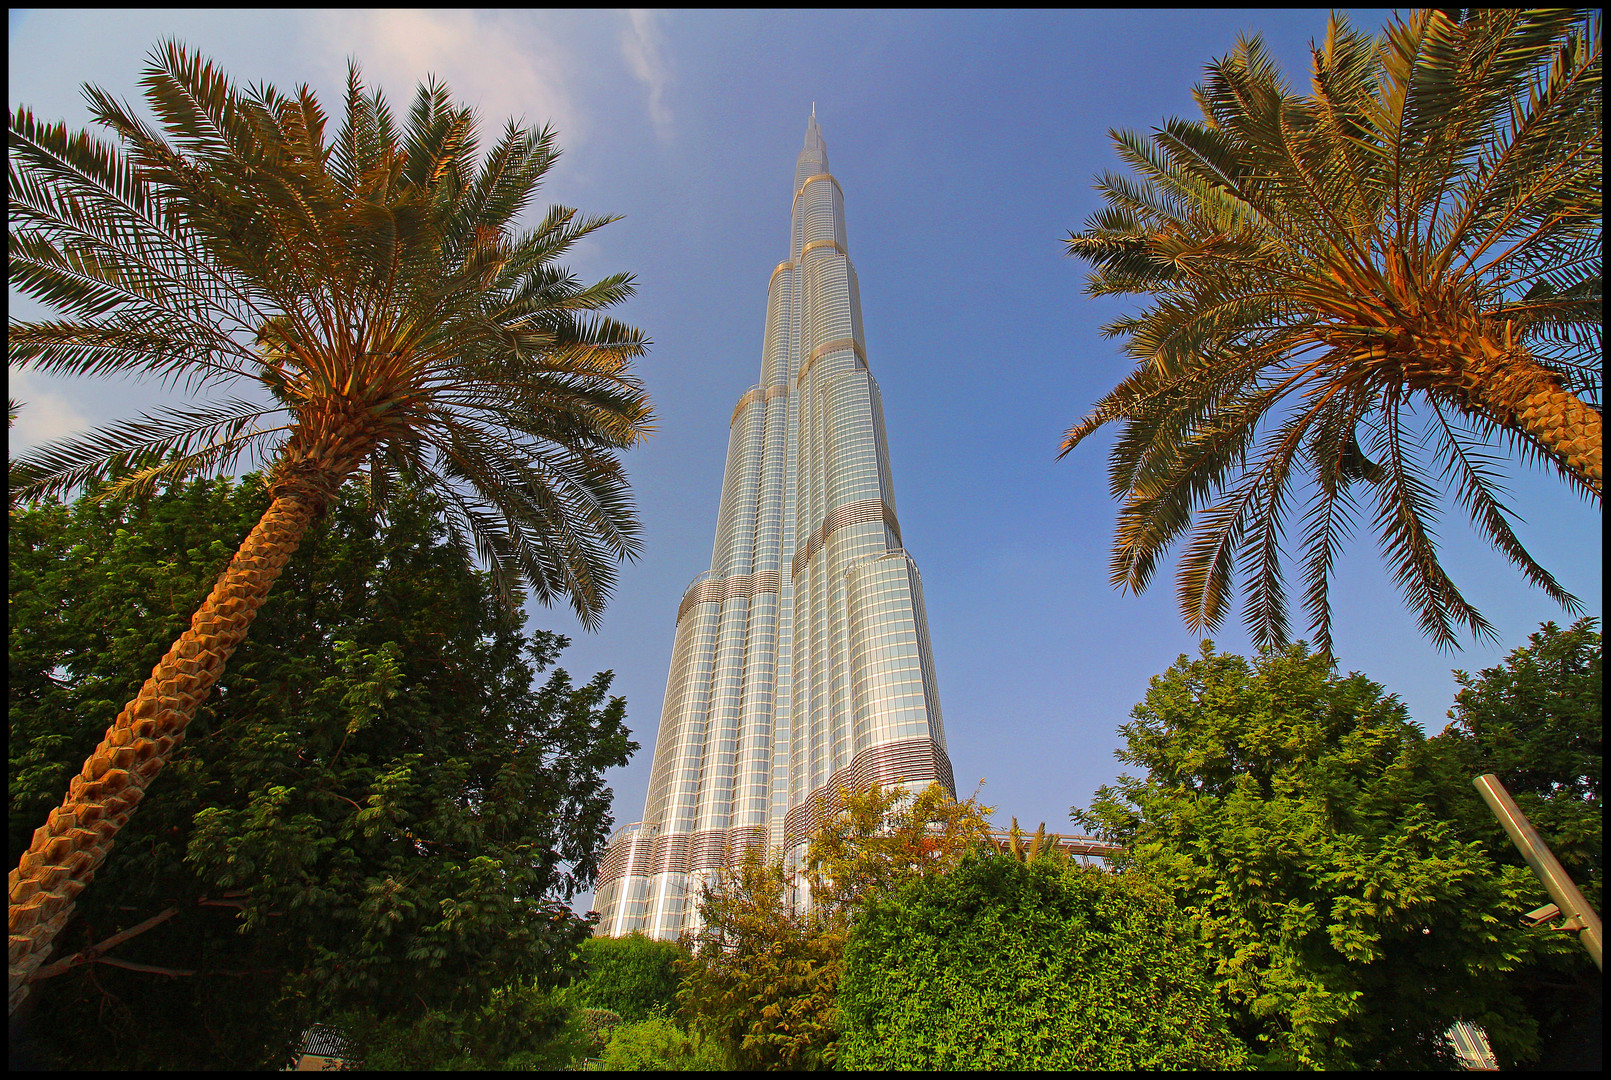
{"x":1086,"y":848}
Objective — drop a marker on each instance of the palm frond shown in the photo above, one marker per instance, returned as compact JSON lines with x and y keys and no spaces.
{"x":1426,"y":216}
{"x":1405,"y":519}
{"x":1477,"y":487}
{"x":375,"y":285}
{"x":182,"y":441}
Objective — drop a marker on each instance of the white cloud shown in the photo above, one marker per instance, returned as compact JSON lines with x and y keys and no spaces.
{"x":505,"y":66}
{"x":44,"y":415}
{"x":643,"y":48}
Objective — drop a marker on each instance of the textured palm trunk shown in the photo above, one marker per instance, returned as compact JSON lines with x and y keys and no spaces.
{"x":1479,"y":364}
{"x":77,"y":836}
{"x":1569,"y":427}
{"x":1517,"y":391}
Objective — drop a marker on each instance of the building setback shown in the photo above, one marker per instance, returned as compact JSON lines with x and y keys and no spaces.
{"x":801,"y":660}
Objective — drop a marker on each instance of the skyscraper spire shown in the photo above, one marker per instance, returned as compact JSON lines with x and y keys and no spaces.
{"x":814,"y":157}
{"x":801,"y":660}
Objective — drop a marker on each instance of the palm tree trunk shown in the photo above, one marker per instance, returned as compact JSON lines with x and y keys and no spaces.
{"x":77,"y":836}
{"x":1568,"y":427}
{"x":1520,"y":393}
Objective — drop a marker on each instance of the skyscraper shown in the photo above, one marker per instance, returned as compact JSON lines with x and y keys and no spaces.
{"x":801,"y":660}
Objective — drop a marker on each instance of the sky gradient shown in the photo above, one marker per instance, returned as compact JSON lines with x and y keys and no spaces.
{"x":966,"y":144}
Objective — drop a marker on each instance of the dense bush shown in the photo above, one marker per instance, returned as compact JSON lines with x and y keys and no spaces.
{"x":761,"y":983}
{"x":763,"y":976}
{"x":659,"y":1045}
{"x":632,"y":975}
{"x":1003,"y":965}
{"x":599,"y":1024}
{"x":520,"y":1028}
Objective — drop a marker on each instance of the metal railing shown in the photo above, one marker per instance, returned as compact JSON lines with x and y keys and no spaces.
{"x":1087,"y":847}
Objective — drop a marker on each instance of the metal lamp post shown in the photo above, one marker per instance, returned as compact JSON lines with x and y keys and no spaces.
{"x":1568,"y":897}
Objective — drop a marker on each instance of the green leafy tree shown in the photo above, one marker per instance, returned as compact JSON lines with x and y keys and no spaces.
{"x":1535,"y":721}
{"x":381,"y":811}
{"x":761,"y":982}
{"x":632,"y":975}
{"x":376,"y":293}
{"x":1001,"y":964}
{"x":1403,"y":264}
{"x":1304,"y":827}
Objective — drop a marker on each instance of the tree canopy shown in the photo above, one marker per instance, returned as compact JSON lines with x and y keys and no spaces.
{"x":1536,"y":721}
{"x":1309,"y":834}
{"x":880,"y":838}
{"x":371,"y":285}
{"x":382,"y":810}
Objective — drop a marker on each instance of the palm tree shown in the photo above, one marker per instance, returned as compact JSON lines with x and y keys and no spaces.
{"x":1409,"y":258}
{"x":377,"y":289}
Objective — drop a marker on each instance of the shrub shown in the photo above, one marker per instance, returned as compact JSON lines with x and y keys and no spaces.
{"x":658,"y":1044}
{"x":763,"y":976}
{"x":521,"y":1028}
{"x":1002,"y":965}
{"x":599,"y":1024}
{"x":632,"y":976}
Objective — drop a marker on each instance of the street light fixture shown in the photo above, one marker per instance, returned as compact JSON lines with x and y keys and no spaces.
{"x":1569,"y":899}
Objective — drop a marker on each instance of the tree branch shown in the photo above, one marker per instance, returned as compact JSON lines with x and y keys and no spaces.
{"x":92,"y":955}
{"x":94,"y":951}
{"x":155,"y":970}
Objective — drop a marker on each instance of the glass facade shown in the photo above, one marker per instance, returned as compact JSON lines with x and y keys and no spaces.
{"x":801,"y":661}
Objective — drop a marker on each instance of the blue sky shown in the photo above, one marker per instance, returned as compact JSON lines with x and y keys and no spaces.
{"x":966,"y":143}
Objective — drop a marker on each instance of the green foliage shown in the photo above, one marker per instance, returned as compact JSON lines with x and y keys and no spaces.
{"x":599,"y":1024}
{"x":1006,"y":965}
{"x":632,"y":975}
{"x":1305,"y":829}
{"x":658,"y":1045}
{"x":524,"y":1028}
{"x":762,"y":979}
{"x":381,"y":810}
{"x":1535,"y":721}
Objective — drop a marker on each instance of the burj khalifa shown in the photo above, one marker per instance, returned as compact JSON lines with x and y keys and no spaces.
{"x":801,"y":661}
